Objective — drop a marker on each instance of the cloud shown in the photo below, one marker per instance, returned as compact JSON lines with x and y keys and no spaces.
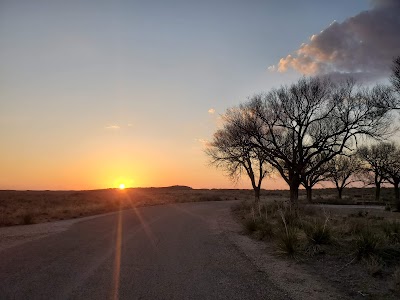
{"x":362,"y":46}
{"x":203,"y":142}
{"x":112,"y":127}
{"x":211,"y":111}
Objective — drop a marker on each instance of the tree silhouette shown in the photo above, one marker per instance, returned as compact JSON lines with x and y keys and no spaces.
{"x":232,"y":150}
{"x":341,"y":171}
{"x":303,"y":126}
{"x":376,"y":157}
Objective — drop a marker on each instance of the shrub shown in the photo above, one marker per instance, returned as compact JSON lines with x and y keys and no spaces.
{"x":250,"y":225}
{"x":243,"y":206}
{"x":367,"y":244}
{"x":355,"y":226}
{"x":318,"y":232}
{"x":264,"y":229}
{"x":288,"y":240}
{"x":27,"y":219}
{"x":289,"y":216}
{"x":392,"y":231}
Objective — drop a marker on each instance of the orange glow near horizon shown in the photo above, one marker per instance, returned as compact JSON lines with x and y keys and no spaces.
{"x":121,"y":186}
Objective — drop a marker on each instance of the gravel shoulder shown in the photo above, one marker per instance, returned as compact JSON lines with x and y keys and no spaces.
{"x":16,"y":235}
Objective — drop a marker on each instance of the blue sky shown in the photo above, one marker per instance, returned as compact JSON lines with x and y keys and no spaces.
{"x":97,"y":92}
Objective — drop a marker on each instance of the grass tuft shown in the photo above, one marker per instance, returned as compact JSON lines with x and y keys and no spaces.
{"x":250,"y":225}
{"x":288,"y":239}
{"x":392,"y":231}
{"x":317,"y":232}
{"x":27,"y":219}
{"x":264,"y":229}
{"x":367,"y":244}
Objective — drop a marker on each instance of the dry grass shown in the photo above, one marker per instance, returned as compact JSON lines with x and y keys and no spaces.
{"x":29,"y":207}
{"x":356,"y":248}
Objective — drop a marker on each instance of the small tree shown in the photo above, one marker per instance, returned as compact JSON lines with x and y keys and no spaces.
{"x":392,"y":170}
{"x":310,"y":179}
{"x":376,"y":158}
{"x":341,"y":171}
{"x":232,"y":150}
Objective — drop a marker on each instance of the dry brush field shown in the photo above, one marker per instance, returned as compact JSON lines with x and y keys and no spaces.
{"x":29,"y":207}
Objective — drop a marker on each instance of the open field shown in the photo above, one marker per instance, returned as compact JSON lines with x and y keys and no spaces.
{"x":28,"y":207}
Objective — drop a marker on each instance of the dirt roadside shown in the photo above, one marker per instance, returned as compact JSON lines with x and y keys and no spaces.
{"x":286,"y":274}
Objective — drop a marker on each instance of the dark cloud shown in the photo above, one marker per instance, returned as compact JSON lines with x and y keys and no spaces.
{"x":362,"y":46}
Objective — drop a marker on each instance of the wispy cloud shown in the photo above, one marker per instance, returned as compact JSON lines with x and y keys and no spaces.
{"x":112,"y":127}
{"x":362,"y":46}
{"x":203,"y":142}
{"x":211,"y":111}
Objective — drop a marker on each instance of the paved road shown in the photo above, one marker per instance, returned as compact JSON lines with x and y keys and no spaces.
{"x":181,"y":251}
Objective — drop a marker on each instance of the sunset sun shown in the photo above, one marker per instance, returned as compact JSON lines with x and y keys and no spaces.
{"x":121,"y":186}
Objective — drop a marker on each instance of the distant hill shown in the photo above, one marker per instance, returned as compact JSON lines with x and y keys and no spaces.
{"x":173,"y":187}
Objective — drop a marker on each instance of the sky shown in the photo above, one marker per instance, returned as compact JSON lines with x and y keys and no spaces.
{"x":98,"y":93}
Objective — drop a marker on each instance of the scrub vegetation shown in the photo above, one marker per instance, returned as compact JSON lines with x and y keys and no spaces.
{"x":356,"y":248}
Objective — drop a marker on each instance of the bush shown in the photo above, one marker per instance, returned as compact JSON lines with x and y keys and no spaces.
{"x":27,"y":219}
{"x":250,"y":225}
{"x":264,"y":229}
{"x":243,"y":206}
{"x":355,"y":226}
{"x":318,"y":232}
{"x":289,"y":216}
{"x":367,"y":244}
{"x":392,"y":231}
{"x":288,"y":241}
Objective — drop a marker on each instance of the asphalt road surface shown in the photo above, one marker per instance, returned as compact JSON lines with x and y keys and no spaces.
{"x":178,"y":251}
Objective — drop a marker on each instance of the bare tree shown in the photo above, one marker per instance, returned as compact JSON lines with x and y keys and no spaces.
{"x":392,"y":170}
{"x":376,"y":158}
{"x":232,"y":150}
{"x":309,"y":180}
{"x":389,"y":97}
{"x":312,"y":118}
{"x":342,"y":169}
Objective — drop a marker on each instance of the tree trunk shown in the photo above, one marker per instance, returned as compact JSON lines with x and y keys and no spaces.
{"x":378,"y":191}
{"x":340,"y":193}
{"x":294,"y":193}
{"x":256,"y":194}
{"x":309,"y":194}
{"x":397,"y":195}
